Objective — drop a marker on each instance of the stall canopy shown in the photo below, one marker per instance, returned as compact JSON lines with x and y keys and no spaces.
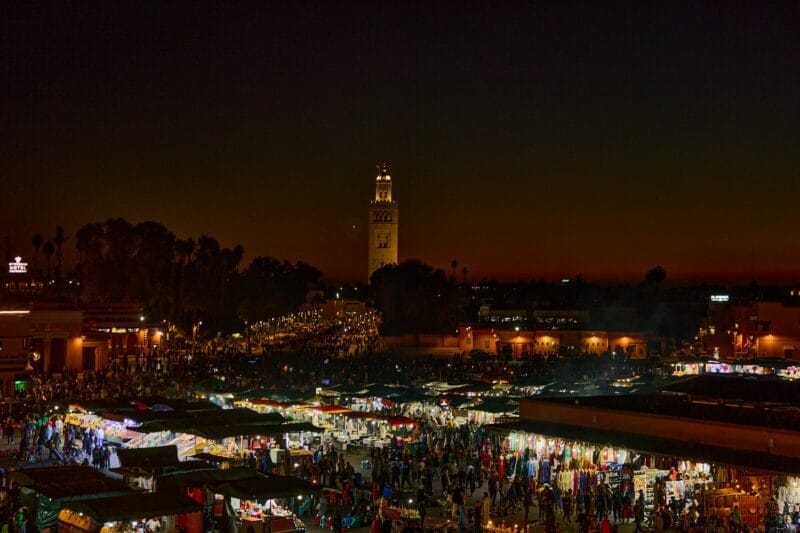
{"x":402,"y":421}
{"x":134,"y":506}
{"x":220,"y":424}
{"x":61,"y":484}
{"x":330,"y":409}
{"x":282,"y":395}
{"x":68,"y":482}
{"x":148,"y":458}
{"x":262,"y":488}
{"x":268,"y":402}
{"x":644,"y":443}
{"x":143,"y":404}
{"x":455,"y":401}
{"x":497,"y":406}
{"x":239,"y":482}
{"x":295,"y":427}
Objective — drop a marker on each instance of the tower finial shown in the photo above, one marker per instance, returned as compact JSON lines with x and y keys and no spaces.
{"x":383,"y":168}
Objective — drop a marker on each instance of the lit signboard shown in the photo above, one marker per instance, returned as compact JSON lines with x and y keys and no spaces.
{"x":17,"y":267}
{"x":720,"y":298}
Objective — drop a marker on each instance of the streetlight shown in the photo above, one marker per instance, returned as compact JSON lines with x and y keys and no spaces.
{"x":144,"y":336}
{"x":32,"y":356}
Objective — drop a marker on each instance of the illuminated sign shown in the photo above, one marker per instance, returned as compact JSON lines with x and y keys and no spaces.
{"x":720,"y":298}
{"x":17,"y":267}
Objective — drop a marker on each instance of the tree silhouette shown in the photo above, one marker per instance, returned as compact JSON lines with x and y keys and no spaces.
{"x":48,"y":249}
{"x":415,"y":297}
{"x":228,"y":262}
{"x":184,"y":248}
{"x":655,"y":276}
{"x":59,"y":240}
{"x":453,"y":265}
{"x":37,"y":242}
{"x":87,"y":240}
{"x":271,"y":287}
{"x":185,"y":279}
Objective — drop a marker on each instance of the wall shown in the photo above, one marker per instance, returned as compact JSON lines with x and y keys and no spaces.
{"x":59,"y":325}
{"x":14,"y":330}
{"x":421,"y":340}
{"x":778,"y":346}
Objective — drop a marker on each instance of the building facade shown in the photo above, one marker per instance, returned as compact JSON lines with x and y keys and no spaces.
{"x":524,"y":344}
{"x":383,"y":223}
{"x":757,"y":329}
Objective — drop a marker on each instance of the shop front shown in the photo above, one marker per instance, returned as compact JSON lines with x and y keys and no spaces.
{"x":712,"y":489}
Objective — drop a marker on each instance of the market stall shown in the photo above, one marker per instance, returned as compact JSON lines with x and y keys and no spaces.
{"x":576,"y":465}
{"x":137,"y":513}
{"x":718,"y":504}
{"x":324,"y":416}
{"x":288,"y":409}
{"x":186,"y":444}
{"x":402,"y":517}
{"x":493,"y":410}
{"x":114,"y":431}
{"x":48,"y":489}
{"x":251,"y":499}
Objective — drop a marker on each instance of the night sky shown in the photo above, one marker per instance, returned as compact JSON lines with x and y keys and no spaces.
{"x":525,"y":141}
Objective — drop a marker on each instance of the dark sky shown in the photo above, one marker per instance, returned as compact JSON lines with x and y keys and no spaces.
{"x":524,"y":140}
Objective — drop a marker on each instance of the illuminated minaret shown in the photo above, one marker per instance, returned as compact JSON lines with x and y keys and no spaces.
{"x":383,"y":223}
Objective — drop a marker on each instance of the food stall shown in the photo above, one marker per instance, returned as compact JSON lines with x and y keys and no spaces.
{"x":187,"y":444}
{"x":493,"y":410}
{"x":248,"y":499}
{"x":48,"y":489}
{"x":402,"y":517}
{"x":138,"y":513}
{"x":266,"y":405}
{"x":115,"y":431}
{"x":324,"y":416}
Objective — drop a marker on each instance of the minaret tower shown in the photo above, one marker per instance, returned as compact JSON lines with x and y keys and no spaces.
{"x":383,"y":223}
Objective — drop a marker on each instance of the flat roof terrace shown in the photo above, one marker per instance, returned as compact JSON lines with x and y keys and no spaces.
{"x":760,"y":402}
{"x":736,"y":425}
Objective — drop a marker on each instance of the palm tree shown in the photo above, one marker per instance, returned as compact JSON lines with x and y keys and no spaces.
{"x":238,"y":253}
{"x":453,"y":265}
{"x":37,"y":242}
{"x":48,"y":249}
{"x":229,"y":263}
{"x":59,"y":240}
{"x":464,"y":273}
{"x":184,"y":248}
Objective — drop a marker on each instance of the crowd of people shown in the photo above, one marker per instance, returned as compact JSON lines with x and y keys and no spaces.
{"x":454,"y":469}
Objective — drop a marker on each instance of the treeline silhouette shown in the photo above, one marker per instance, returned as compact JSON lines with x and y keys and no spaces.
{"x":186,"y":280}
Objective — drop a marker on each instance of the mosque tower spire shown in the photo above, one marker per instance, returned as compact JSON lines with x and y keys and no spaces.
{"x":383,"y":222}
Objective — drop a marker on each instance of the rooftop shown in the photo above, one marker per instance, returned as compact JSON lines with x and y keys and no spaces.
{"x":755,"y":401}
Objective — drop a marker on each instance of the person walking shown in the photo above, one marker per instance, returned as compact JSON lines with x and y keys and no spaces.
{"x":493,"y":487}
{"x":566,"y":506}
{"x":422,"y":506}
{"x":638,"y":515}
{"x":736,"y":520}
{"x":486,"y":507}
{"x":337,"y":522}
{"x":527,"y":502}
